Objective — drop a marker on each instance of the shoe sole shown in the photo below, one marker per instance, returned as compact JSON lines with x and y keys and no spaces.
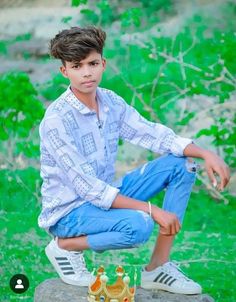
{"x":57,"y":269}
{"x":155,"y":285}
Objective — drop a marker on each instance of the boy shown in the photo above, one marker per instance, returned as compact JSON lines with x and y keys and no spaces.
{"x":82,"y":207}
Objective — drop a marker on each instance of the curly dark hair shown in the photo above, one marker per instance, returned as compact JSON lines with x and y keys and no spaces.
{"x":76,"y":43}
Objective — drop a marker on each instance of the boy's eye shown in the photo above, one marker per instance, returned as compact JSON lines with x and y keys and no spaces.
{"x":94,"y":63}
{"x":75,"y":66}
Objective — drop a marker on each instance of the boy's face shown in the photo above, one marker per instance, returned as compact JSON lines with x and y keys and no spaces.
{"x":86,"y":75}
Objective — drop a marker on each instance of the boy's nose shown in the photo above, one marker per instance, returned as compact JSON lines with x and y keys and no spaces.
{"x":86,"y":72}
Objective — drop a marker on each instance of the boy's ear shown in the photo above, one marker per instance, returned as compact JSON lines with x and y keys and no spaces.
{"x":63,"y":71}
{"x":104,"y":63}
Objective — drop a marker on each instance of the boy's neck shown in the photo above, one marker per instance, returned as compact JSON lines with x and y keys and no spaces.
{"x":88,"y":100}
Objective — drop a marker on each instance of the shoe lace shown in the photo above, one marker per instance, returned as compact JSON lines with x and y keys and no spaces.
{"x":78,"y":262}
{"x":174,"y":269}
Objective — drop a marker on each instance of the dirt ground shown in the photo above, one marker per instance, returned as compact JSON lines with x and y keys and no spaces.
{"x":33,"y":3}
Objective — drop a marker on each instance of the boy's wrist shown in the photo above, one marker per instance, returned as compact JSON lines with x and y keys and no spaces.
{"x":192,"y":150}
{"x":206,"y":154}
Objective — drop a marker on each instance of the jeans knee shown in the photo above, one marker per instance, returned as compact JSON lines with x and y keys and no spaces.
{"x":187,"y":168}
{"x":142,"y":227}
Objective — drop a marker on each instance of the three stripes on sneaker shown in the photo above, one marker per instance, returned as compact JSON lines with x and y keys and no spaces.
{"x":165,"y":279}
{"x":65,"y":265}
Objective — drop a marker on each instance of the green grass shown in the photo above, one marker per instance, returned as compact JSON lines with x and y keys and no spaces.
{"x":205,"y":248}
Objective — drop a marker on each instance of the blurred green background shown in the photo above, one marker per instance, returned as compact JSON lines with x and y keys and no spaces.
{"x":175,"y":62}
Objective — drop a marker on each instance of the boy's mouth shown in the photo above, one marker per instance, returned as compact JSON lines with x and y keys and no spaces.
{"x":88,"y":83}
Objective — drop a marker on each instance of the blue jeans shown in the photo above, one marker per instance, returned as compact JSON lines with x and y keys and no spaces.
{"x":125,"y":228}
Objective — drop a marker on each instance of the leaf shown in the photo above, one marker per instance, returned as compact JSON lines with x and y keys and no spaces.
{"x":66,"y":19}
{"x":202,"y":132}
{"x":186,"y":119}
{"x":78,"y":2}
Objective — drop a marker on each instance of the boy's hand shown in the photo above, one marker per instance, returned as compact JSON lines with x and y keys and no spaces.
{"x":215,"y":165}
{"x":169,"y":223}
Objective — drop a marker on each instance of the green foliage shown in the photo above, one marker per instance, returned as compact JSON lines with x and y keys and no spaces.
{"x":20,"y":112}
{"x":4,"y":44}
{"x":158,"y":72}
{"x":54,"y":88}
{"x":24,"y":37}
{"x":179,"y":67}
{"x":100,"y":14}
{"x":78,"y":2}
{"x":22,"y":187}
{"x":131,"y":16}
{"x":3,"y":48}
{"x":224,"y":136}
{"x":66,"y":19}
{"x":139,"y":14}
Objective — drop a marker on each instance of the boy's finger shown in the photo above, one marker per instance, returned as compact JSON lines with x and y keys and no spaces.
{"x":177,"y":227}
{"x":168,"y":230}
{"x":212,"y":177}
{"x":172,"y":229}
{"x":224,"y":177}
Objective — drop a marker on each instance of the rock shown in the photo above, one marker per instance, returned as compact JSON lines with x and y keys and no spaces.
{"x":56,"y":290}
{"x":38,"y":72}
{"x":36,"y":48}
{"x":41,"y":22}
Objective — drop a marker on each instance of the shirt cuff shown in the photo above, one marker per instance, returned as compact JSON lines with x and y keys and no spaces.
{"x":109,"y":196}
{"x":179,"y":144}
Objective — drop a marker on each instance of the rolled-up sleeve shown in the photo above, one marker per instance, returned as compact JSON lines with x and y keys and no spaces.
{"x":61,"y":147}
{"x":153,"y":136}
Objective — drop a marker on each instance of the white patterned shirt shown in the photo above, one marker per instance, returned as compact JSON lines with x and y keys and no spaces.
{"x":78,"y":150}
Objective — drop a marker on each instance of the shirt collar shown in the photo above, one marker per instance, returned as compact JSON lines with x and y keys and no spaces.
{"x":77,"y":104}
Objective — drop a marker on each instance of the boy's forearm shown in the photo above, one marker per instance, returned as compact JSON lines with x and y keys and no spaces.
{"x":124,"y":202}
{"x":193,"y":150}
{"x":169,"y":223}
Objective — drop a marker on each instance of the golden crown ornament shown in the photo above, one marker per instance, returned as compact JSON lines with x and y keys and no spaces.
{"x":100,"y":291}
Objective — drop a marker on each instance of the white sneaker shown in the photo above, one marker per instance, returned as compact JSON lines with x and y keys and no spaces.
{"x":70,"y":265}
{"x":169,"y":277}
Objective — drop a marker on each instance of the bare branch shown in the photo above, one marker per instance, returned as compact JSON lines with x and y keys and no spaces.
{"x":173,"y":59}
{"x":183,"y":92}
{"x":138,"y":95}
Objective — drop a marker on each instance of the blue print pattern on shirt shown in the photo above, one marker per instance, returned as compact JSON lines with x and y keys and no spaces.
{"x":71,"y":120}
{"x":88,"y":144}
{"x":146,"y":141}
{"x":46,"y":158}
{"x":66,"y":162}
{"x":54,"y":139}
{"x":90,"y":168}
{"x":128,"y":132}
{"x":81,"y":186}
